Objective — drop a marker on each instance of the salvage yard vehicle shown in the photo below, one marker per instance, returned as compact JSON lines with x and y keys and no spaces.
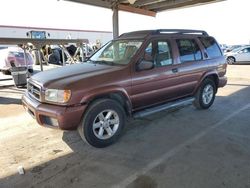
{"x":135,"y":75}
{"x":238,"y":55}
{"x":15,"y":55}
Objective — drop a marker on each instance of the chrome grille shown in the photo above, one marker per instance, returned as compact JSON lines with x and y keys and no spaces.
{"x":34,"y":91}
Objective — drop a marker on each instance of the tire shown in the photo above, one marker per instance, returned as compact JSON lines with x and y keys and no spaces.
{"x":6,"y":72}
{"x":205,"y":95}
{"x":54,"y":58}
{"x":231,"y":60}
{"x":30,"y":70}
{"x":108,"y":116}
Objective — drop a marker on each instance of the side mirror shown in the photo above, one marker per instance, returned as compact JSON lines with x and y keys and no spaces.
{"x":86,"y":59}
{"x":145,"y":65}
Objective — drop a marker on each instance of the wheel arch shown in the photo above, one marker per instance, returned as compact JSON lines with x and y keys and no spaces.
{"x":211,"y":75}
{"x":119,"y":95}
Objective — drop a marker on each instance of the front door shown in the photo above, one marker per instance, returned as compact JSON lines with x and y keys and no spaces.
{"x":153,"y":86}
{"x":244,"y":55}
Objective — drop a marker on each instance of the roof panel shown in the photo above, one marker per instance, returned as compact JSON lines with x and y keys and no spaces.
{"x":145,"y":5}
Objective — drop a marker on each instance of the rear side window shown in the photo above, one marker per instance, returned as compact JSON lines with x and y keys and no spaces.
{"x":211,"y":46}
{"x":189,"y":50}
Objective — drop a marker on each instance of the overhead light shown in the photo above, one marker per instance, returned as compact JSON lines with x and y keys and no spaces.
{"x":131,"y":1}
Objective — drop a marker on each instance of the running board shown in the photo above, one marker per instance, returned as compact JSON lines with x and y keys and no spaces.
{"x":166,"y":106}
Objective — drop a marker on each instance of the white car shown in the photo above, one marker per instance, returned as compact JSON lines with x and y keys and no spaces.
{"x":14,"y":56}
{"x":241,"y":54}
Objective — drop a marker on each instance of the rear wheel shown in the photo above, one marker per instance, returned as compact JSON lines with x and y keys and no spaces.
{"x":102,"y":123}
{"x":205,"y":96}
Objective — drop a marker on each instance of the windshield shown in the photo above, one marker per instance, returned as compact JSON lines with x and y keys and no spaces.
{"x":237,"y":49}
{"x":117,"y":52}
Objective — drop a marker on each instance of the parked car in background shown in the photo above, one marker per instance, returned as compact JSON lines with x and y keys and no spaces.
{"x":240,"y":55}
{"x":14,"y":57}
{"x":232,"y":47}
{"x":224,"y":47}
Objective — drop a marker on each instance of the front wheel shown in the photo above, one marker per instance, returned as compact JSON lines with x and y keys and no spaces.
{"x":102,"y":123}
{"x":205,"y":96}
{"x":230,"y":60}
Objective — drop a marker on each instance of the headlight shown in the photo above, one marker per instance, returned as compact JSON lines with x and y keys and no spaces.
{"x":58,"y":96}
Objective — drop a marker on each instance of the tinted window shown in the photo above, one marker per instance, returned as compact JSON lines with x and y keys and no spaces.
{"x":247,"y":50}
{"x":212,"y":48}
{"x":189,"y":50}
{"x":163,"y":55}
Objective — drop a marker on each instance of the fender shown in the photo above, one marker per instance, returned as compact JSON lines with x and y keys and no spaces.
{"x":213,"y":73}
{"x":107,"y":91}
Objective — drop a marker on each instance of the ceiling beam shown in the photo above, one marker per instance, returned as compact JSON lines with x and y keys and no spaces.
{"x":166,"y":4}
{"x":136,"y":10}
{"x":171,"y":4}
{"x":99,"y":3}
{"x":146,"y":2}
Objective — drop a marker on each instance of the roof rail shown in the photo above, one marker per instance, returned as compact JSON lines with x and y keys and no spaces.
{"x":136,"y":33}
{"x":182,"y":31}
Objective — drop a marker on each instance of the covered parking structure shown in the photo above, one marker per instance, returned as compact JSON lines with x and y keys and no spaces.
{"x":185,"y":148}
{"x":144,"y":7}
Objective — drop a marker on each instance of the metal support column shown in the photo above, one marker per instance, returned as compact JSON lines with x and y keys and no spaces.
{"x":25,"y":57}
{"x":40,"y":59}
{"x":115,"y":22}
{"x":63,"y":57}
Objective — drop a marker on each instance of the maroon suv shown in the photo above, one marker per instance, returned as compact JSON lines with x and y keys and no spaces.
{"x":137,"y":74}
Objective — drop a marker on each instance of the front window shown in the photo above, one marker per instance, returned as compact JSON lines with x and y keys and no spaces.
{"x":117,"y":52}
{"x":159,"y":52}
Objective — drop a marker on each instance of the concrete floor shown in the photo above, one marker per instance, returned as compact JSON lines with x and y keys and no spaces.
{"x":185,"y":148}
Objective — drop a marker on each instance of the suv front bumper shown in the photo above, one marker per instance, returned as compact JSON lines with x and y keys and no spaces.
{"x":54,"y":116}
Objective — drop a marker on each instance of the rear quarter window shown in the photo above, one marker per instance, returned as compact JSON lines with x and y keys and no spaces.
{"x":211,"y":46}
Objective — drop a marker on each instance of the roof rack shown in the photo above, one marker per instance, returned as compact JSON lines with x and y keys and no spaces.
{"x":181,"y":31}
{"x":145,"y":33}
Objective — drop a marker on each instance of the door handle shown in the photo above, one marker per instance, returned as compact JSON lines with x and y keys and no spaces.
{"x":175,"y":70}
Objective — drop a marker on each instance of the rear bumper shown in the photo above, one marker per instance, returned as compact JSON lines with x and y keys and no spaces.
{"x":66,"y":118}
{"x":8,"y":68}
{"x":222,"y":81}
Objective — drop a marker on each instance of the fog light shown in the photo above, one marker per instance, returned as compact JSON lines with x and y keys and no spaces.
{"x":50,"y":121}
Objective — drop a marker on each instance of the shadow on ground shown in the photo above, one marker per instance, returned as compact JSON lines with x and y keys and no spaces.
{"x":143,"y":141}
{"x":7,"y":100}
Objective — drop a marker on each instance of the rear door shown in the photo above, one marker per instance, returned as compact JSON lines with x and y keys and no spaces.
{"x":192,"y":65}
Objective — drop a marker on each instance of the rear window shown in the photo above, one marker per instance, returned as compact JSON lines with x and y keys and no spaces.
{"x":211,"y":46}
{"x":17,"y":54}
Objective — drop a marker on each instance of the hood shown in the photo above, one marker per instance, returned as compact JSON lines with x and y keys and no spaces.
{"x":69,"y":74}
{"x":230,"y":53}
